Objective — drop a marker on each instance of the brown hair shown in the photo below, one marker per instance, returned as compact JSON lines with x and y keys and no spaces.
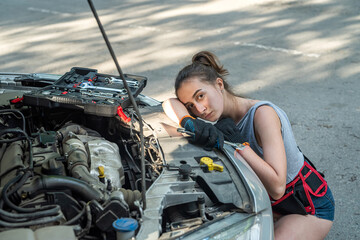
{"x":206,"y":66}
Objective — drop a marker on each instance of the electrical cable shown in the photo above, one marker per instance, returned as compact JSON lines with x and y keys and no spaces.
{"x":15,"y":111}
{"x":31,"y":223}
{"x":13,"y":220}
{"x":86,"y":229}
{"x":19,"y":131}
{"x":3,"y":192}
{"x":9,"y":170}
{"x":2,"y":150}
{"x":35,"y":211}
{"x":78,"y":216}
{"x":43,"y":213}
{"x":131,"y":158}
{"x":12,"y":139}
{"x":23,"y":179}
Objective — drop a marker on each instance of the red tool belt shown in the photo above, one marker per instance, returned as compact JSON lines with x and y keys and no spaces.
{"x":297,"y":194}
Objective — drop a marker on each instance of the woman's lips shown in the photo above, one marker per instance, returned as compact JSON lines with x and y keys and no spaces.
{"x":207,"y":116}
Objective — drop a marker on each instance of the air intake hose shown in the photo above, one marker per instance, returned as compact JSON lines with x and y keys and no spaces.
{"x":78,"y":187}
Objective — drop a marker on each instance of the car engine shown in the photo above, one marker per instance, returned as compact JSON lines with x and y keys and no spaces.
{"x":68,"y":174}
{"x":61,"y":166}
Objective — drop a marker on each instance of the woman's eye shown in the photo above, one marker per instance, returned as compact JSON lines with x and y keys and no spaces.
{"x":200,"y":96}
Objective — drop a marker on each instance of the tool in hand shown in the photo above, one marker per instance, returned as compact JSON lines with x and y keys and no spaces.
{"x":239,"y":146}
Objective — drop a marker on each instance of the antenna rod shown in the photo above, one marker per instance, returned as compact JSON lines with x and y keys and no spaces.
{"x":131,"y":97}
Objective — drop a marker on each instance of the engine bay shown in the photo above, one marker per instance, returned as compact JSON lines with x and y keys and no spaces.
{"x":54,"y":174}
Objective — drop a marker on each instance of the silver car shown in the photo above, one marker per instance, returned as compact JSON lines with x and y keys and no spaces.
{"x":75,"y":166}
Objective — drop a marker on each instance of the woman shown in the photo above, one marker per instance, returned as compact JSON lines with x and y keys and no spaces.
{"x":202,"y":92}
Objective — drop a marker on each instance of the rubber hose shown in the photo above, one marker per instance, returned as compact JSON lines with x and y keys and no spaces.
{"x":34,"y":211}
{"x":15,"y":111}
{"x":16,"y":130}
{"x":31,"y":223}
{"x":87,"y":227}
{"x":30,"y":216}
{"x":81,"y":188}
{"x":130,"y":197}
{"x":78,"y":216}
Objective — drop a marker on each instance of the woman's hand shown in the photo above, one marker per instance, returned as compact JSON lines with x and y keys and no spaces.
{"x":205,"y":134}
{"x":229,"y":129}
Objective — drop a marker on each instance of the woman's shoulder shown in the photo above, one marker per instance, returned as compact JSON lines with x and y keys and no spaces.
{"x":255,"y":104}
{"x":258,"y":106}
{"x":266,"y":111}
{"x":261,"y":109}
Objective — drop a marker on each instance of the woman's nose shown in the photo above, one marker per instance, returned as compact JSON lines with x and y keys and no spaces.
{"x":200,"y":108}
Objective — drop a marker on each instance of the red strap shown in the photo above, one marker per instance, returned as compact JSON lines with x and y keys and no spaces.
{"x":282,"y":198}
{"x":122,"y":115}
{"x":309,"y":209}
{"x":16,"y":100}
{"x":322,"y":186}
{"x":307,"y":189}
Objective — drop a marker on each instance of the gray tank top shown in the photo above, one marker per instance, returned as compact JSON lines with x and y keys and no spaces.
{"x":295,"y":159}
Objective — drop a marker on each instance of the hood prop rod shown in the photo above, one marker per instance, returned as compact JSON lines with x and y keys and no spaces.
{"x":131,"y":97}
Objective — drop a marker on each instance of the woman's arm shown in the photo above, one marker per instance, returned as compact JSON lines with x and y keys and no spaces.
{"x":272,"y":169}
{"x":174,"y":109}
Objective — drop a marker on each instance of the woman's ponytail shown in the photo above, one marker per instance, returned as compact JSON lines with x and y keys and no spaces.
{"x":206,"y":66}
{"x":209,"y":59}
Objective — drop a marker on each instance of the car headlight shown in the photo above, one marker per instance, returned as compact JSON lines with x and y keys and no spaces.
{"x":245,"y":229}
{"x":237,"y":226}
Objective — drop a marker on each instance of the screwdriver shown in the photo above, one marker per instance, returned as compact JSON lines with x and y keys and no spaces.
{"x":239,"y":146}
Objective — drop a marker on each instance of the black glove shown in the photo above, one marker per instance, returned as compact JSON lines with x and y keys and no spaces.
{"x":205,"y":134}
{"x":229,"y":129}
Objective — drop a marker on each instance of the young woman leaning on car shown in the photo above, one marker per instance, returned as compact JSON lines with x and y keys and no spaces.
{"x":302,"y":201}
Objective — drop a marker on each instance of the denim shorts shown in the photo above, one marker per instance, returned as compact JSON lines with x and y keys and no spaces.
{"x":324,"y":206}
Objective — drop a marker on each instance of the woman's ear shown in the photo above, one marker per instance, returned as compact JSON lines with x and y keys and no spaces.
{"x":219,"y":83}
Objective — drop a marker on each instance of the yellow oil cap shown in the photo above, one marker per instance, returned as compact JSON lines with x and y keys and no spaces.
{"x":211,"y":165}
{"x":101,"y":171}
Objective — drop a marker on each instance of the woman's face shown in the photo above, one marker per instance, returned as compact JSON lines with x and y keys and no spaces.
{"x":203,"y":99}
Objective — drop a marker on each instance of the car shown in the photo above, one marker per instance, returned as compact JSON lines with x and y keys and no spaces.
{"x":71,"y":164}
{"x":86,"y":155}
